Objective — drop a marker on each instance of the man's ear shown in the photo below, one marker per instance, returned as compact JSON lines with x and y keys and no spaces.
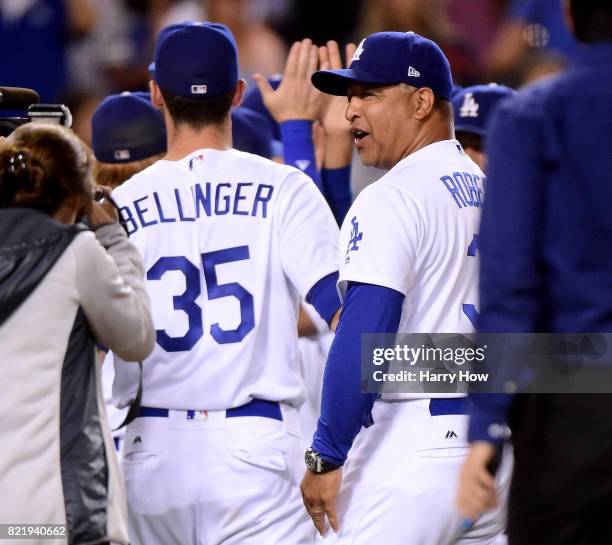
{"x":239,"y":93}
{"x":425,"y":99}
{"x":156,"y":97}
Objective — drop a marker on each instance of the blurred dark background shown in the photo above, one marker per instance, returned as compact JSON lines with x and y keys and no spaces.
{"x":78,"y":51}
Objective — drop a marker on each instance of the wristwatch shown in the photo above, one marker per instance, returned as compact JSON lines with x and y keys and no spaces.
{"x":316,"y":464}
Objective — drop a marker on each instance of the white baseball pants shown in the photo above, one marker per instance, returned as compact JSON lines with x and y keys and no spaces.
{"x":216,"y":481}
{"x":399,"y":483}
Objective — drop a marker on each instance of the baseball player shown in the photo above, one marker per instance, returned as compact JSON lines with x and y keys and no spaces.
{"x":407,"y":265}
{"x":128,"y":135}
{"x":230,"y":243}
{"x":472,"y":107}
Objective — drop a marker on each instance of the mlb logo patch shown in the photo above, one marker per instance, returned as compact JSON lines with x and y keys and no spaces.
{"x":195,"y":161}
{"x":197,"y":415}
{"x":198,"y":89}
{"x":122,"y":154}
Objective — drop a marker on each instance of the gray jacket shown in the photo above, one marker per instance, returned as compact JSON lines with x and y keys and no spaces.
{"x":62,"y":288}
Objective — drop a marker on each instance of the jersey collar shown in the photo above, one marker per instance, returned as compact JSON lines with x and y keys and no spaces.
{"x":442,"y":146}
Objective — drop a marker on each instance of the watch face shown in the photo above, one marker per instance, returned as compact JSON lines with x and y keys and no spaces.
{"x":311,"y":460}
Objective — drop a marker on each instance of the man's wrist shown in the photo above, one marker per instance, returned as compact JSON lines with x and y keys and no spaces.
{"x":296,"y":123}
{"x":317,"y":464}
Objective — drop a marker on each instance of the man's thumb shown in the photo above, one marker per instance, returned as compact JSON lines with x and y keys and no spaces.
{"x":263,"y":85}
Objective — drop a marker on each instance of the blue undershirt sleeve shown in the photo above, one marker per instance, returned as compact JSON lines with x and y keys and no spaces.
{"x":323,"y":296}
{"x":344,"y":408}
{"x":298,"y":148}
{"x":337,"y":190}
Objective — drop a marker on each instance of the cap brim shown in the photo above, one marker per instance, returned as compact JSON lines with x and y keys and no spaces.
{"x":336,"y":82}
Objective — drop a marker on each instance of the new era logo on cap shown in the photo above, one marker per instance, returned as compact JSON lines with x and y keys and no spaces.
{"x":413,"y":72}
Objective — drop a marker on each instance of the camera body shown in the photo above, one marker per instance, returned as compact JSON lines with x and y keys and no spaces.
{"x":19,"y":106}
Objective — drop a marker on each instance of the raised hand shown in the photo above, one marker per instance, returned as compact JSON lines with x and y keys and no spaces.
{"x":334,"y":108}
{"x":338,"y":138}
{"x":296,"y":97}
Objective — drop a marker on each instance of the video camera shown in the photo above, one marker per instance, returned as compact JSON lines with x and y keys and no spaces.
{"x":19,"y":105}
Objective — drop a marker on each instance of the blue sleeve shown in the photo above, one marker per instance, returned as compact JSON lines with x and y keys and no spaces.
{"x":344,"y":408}
{"x":323,"y":296}
{"x":298,"y":148}
{"x":337,"y":190}
{"x":488,"y":416}
{"x":511,"y":232}
{"x":511,"y":245}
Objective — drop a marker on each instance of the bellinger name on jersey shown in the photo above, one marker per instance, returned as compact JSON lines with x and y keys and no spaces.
{"x":209,"y":199}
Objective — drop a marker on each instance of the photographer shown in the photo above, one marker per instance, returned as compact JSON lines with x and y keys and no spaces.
{"x":62,"y":288}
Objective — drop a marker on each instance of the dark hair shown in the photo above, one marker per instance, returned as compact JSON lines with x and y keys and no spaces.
{"x":42,"y":166}
{"x":469,"y":140}
{"x":592,"y":20}
{"x":443,"y":107}
{"x":198,"y":113}
{"x":114,"y":174}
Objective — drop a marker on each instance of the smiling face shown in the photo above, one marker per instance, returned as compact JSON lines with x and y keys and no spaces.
{"x":382,"y":122}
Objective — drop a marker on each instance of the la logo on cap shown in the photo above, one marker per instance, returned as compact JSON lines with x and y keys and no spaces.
{"x":469,"y":108}
{"x":198,"y":89}
{"x":358,"y":51}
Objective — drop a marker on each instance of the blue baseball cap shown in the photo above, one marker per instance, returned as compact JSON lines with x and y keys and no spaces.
{"x":127,"y":127}
{"x":389,"y":58}
{"x":196,"y":60}
{"x":163,"y":34}
{"x":456,"y":90}
{"x":251,"y":132}
{"x":473,"y":105}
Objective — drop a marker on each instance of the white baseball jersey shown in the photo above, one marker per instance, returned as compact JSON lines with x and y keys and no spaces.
{"x":230,"y":242}
{"x":416,"y":231}
{"x":313,"y":352}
